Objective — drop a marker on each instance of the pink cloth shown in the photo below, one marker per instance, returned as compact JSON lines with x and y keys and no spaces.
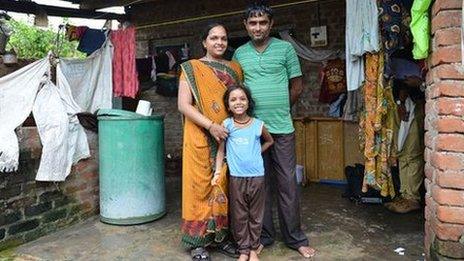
{"x":125,"y":81}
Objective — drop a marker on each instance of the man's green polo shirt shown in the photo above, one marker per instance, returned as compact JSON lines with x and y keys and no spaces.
{"x":267,"y":75}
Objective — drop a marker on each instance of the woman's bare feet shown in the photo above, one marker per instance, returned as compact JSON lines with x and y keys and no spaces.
{"x":306,"y":251}
{"x":254,"y":256}
{"x":242,"y":257}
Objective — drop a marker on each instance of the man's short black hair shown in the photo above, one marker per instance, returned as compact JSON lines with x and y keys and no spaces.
{"x":258,"y":9}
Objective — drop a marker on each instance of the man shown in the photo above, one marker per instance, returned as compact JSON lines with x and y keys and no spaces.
{"x":273,"y":74}
{"x":410,"y":133}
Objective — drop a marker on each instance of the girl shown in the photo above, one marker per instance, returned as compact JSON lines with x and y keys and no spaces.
{"x":246,"y":184}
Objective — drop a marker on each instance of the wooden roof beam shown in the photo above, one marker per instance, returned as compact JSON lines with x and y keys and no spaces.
{"x":32,"y":8}
{"x":98,"y":4}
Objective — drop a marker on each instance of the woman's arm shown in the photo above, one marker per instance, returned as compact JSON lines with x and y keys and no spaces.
{"x":219,"y":160}
{"x":268,"y":140}
{"x":184,"y":103}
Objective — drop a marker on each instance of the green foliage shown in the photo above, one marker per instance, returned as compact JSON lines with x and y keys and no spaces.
{"x":31,"y":42}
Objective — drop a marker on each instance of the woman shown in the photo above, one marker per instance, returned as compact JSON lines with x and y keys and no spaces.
{"x":202,"y":85}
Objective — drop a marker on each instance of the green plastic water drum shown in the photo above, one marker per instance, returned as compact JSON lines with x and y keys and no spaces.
{"x":131,"y":148}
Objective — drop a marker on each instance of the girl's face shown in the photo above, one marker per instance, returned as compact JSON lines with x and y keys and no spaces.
{"x":238,"y":102}
{"x":216,"y":42}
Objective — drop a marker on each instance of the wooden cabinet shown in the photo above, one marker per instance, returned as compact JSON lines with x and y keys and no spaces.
{"x":325,"y":146}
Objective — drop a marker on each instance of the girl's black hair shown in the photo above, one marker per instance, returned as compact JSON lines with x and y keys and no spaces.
{"x":258,"y":9}
{"x":251,"y":103}
{"x":208,"y":28}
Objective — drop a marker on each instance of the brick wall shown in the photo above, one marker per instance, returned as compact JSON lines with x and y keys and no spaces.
{"x":298,"y":18}
{"x":30,"y":209}
{"x":444,"y":170}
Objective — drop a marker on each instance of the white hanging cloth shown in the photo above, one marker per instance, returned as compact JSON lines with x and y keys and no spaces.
{"x":90,"y":80}
{"x":306,"y":53}
{"x":406,"y":125}
{"x":63,"y":138}
{"x":17,"y":94}
{"x":361,"y":36}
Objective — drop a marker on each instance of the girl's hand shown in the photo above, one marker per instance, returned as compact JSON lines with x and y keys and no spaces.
{"x":215,"y":180}
{"x":218,"y":132}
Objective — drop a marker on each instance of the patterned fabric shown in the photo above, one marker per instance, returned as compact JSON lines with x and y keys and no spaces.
{"x":377,"y":127}
{"x":204,"y":207}
{"x":125,"y":79}
{"x":394,"y":20}
{"x":333,"y":81}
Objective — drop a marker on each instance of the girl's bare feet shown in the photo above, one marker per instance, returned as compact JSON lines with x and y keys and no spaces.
{"x":306,"y":251}
{"x":254,"y":256}
{"x":242,"y":257}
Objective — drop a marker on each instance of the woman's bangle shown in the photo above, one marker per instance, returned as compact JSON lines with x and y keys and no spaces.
{"x":217,"y":173}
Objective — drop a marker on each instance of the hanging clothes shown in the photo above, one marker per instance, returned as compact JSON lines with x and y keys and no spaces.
{"x":353,"y":106}
{"x":144,"y":68}
{"x":333,"y":81}
{"x":91,"y":40}
{"x":17,"y":94}
{"x":377,"y":123}
{"x":89,"y":79}
{"x":309,"y":54}
{"x":63,"y":139}
{"x":125,"y":82}
{"x":394,"y":29}
{"x":361,"y":36}
{"x":74,"y":33}
{"x":420,"y":28}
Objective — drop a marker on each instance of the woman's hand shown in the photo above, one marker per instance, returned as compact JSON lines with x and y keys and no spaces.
{"x":218,"y":132}
{"x":215,"y":180}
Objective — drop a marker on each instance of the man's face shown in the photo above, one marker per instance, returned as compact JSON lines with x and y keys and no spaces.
{"x":258,"y":27}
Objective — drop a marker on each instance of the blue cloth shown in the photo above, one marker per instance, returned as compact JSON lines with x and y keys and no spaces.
{"x":91,"y":41}
{"x":243,"y":149}
{"x":403,"y":68}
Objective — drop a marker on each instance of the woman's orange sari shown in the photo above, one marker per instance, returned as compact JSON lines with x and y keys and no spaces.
{"x":204,"y":207}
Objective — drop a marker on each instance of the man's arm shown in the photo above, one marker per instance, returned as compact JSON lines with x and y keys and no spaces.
{"x":296,"y":88}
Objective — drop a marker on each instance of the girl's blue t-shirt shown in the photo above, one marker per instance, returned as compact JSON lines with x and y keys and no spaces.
{"x":243,"y":149}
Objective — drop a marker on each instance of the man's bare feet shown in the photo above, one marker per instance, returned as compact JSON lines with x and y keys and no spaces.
{"x":242,"y":257}
{"x":253,"y":256}
{"x":306,"y":251}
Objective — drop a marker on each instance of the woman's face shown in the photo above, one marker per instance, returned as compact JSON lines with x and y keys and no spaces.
{"x":216,"y":42}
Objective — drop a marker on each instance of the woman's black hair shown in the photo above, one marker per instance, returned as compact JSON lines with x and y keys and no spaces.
{"x":251,"y":103}
{"x":258,"y":9}
{"x":208,"y":28}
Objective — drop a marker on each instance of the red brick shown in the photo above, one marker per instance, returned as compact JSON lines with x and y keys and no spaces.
{"x":450,"y":88}
{"x":442,"y":5}
{"x":450,"y":124}
{"x":428,"y":171}
{"x":451,"y":106}
{"x":448,"y":71}
{"x":443,"y":55}
{"x":447,"y":161}
{"x":446,"y":19}
{"x":450,"y":214}
{"x":89,"y":175}
{"x":449,"y":197}
{"x":450,"y":142}
{"x":429,"y":139}
{"x":445,"y":37}
{"x":450,"y":179}
{"x":446,"y":231}
{"x":74,"y":188}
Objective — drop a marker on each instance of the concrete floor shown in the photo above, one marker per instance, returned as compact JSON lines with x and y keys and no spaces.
{"x":336,"y":227}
